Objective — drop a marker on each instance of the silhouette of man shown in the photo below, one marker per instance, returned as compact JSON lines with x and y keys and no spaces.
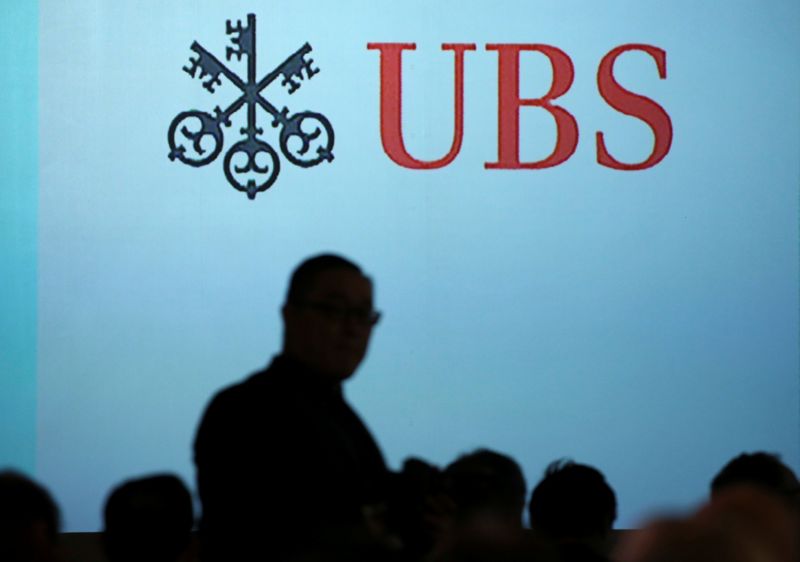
{"x":283,"y":462}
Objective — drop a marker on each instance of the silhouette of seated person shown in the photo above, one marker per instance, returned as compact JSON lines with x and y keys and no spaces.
{"x":762,"y":470}
{"x":486,"y":492}
{"x":487,"y":488}
{"x":412,"y":515}
{"x":574,"y":507}
{"x":283,"y":462}
{"x":148,"y":519}
{"x":741,"y":524}
{"x":477,"y":501}
{"x":29,"y":520}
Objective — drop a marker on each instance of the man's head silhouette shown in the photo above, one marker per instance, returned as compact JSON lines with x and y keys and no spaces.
{"x":29,"y":520}
{"x":573,"y":501}
{"x":328,"y":315}
{"x":762,"y":470}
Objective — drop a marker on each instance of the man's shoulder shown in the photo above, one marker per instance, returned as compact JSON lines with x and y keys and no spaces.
{"x":254,"y":388}
{"x":270,"y":390}
{"x":263,"y":401}
{"x":238,"y":410}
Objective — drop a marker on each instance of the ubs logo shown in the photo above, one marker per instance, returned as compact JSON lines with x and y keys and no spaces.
{"x":251,"y":165}
{"x":306,"y":138}
{"x":510,"y":102}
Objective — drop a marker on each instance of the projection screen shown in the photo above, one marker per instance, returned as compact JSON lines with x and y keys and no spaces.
{"x":581,"y":219}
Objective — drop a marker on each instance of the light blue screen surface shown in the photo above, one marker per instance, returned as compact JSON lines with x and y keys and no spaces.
{"x":643,"y":322}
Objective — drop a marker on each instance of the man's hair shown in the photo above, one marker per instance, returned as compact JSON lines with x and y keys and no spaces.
{"x":305,"y":275}
{"x":486,"y":480}
{"x":760,"y":469}
{"x":572,"y":500}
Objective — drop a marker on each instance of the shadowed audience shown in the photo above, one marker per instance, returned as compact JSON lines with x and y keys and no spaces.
{"x":753,"y":516}
{"x":473,"y":506}
{"x":574,"y":507}
{"x":487,"y":490}
{"x":415,"y":508}
{"x":473,"y":512}
{"x":741,"y":524}
{"x":487,"y":486}
{"x":320,"y":510}
{"x":29,"y":520}
{"x":760,"y":469}
{"x":148,"y":519}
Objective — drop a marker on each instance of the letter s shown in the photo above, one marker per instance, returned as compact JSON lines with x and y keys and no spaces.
{"x":634,"y":105}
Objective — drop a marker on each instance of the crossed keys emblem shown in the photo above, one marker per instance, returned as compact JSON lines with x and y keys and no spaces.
{"x":251,"y":165}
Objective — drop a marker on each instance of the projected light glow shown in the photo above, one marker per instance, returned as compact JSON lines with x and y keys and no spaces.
{"x":581,"y":221}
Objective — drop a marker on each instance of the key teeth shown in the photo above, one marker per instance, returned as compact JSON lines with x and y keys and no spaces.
{"x":310,"y":70}
{"x":240,"y":38}
{"x":231,"y":52}
{"x":230,"y":30}
{"x":213,"y":81}
{"x":291,"y":84}
{"x":194,"y":64}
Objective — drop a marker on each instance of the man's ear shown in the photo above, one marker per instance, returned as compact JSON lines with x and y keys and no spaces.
{"x":288,"y":315}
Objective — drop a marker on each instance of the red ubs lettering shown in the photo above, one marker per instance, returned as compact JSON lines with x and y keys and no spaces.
{"x":510,"y":102}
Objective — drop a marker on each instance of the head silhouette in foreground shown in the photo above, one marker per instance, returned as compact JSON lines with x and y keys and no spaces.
{"x":743,"y":523}
{"x":762,"y":470}
{"x":487,"y":485}
{"x":148,"y":519}
{"x":284,"y":464}
{"x":574,"y":506}
{"x":29,"y":520}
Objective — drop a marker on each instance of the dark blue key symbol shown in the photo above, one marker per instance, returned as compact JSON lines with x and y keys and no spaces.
{"x":248,"y":174}
{"x":297,"y":67}
{"x":251,"y":165}
{"x":207,"y":65}
{"x":208,"y":127}
{"x":308,"y":127}
{"x":243,"y":38}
